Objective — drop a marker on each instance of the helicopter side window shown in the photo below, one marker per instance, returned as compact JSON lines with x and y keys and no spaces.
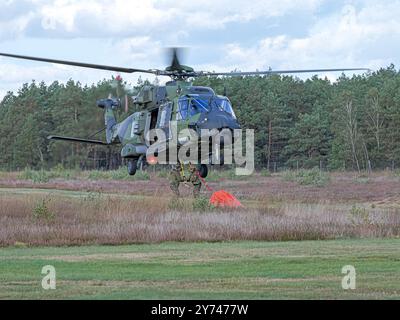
{"x":165,"y":116}
{"x":164,"y":119}
{"x":183,"y":108}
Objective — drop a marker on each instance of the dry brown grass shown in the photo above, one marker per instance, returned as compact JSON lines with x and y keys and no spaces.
{"x":95,"y":218}
{"x":348,"y":187}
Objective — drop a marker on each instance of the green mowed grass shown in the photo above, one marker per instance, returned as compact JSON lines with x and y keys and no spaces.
{"x":224,"y":270}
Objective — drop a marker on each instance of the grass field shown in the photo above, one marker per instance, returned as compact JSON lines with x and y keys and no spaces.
{"x":224,"y":270}
{"x":109,"y":236}
{"x":80,"y":211}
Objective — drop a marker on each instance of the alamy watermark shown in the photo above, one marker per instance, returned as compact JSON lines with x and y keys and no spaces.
{"x":349,"y":280}
{"x":49,"y":280}
{"x":207,"y":146}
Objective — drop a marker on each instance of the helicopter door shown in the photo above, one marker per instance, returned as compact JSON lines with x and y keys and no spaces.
{"x":153,"y":119}
{"x":165,"y":119}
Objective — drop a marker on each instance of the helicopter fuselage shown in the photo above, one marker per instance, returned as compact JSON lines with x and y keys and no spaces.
{"x":178,"y":103}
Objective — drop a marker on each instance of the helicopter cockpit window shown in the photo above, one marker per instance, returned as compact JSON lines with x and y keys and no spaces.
{"x":188,"y":107}
{"x":224,"y":105}
{"x":199,"y":105}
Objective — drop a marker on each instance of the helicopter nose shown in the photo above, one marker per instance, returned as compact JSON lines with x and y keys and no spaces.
{"x":217,"y":120}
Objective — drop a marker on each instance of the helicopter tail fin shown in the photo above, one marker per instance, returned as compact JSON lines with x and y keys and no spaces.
{"x":109,"y":105}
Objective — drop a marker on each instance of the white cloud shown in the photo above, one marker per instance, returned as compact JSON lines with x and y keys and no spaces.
{"x":109,"y":17}
{"x":216,"y":14}
{"x":368,"y":37}
{"x":143,"y":49}
{"x":133,"y":32}
{"x":103,"y":18}
{"x":15,"y":26}
{"x":12,"y":76}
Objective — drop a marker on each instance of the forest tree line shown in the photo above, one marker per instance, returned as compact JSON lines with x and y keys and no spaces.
{"x":351,"y":124}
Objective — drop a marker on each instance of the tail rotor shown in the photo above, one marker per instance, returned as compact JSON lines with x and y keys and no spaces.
{"x":122,"y":90}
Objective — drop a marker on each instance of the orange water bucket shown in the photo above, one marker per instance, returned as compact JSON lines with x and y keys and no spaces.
{"x":222,"y":198}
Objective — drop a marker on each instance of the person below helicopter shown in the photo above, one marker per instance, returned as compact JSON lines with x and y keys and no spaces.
{"x":179,"y":174}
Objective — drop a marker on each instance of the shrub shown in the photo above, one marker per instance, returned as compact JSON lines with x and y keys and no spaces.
{"x":265,"y":173}
{"x":19,"y":244}
{"x":40,"y":176}
{"x":93,"y":199}
{"x":119,"y":174}
{"x":359,"y":215}
{"x":289,"y":175}
{"x":141,"y":175}
{"x":41,"y":211}
{"x":163,"y":173}
{"x":362,"y":180}
{"x":177,"y":204}
{"x":60,"y":172}
{"x":201,"y":204}
{"x":313,"y":177}
{"x":92,"y":196}
{"x":98,"y":175}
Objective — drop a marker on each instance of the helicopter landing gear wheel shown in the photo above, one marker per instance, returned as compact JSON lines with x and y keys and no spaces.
{"x":203,"y":170}
{"x":132,"y":166}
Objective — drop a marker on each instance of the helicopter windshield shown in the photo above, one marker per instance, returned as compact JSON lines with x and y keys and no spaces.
{"x":224,"y":105}
{"x":188,"y":107}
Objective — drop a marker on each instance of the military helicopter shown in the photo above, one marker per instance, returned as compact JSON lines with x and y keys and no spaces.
{"x":193,"y":107}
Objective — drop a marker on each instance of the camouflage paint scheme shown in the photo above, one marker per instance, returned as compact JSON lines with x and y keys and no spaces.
{"x":155,"y":100}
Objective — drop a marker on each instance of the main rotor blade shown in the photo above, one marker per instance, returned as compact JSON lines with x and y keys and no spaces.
{"x":72,"y":139}
{"x":84,"y":65}
{"x":250,"y":73}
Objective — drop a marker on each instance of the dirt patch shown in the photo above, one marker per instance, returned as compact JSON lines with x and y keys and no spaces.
{"x":343,"y":187}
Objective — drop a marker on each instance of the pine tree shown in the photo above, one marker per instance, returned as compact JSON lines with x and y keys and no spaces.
{"x":310,"y":139}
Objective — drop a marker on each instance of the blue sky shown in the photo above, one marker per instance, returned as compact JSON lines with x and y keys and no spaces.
{"x":222,"y":35}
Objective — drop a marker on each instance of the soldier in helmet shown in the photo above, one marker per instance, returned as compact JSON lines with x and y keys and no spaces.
{"x":185,"y":173}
